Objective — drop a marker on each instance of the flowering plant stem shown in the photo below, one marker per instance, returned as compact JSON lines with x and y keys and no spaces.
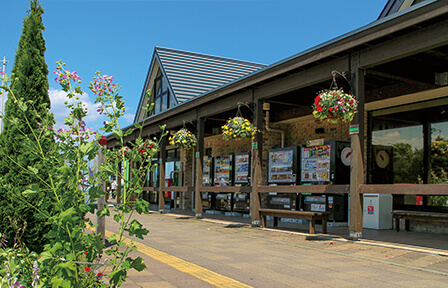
{"x":71,"y":187}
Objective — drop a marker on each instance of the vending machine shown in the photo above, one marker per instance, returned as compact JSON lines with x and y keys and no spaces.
{"x":207,"y":181}
{"x":282,"y":170}
{"x":223,"y":176}
{"x":325,"y":165}
{"x":241,"y":201}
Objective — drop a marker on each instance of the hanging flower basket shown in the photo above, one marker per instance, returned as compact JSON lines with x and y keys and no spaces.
{"x":183,"y":139}
{"x":148,"y":147}
{"x":123,"y":151}
{"x":334,"y":105}
{"x":238,"y":128}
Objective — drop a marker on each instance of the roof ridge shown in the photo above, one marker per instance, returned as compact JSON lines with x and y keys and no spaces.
{"x":159,"y":48}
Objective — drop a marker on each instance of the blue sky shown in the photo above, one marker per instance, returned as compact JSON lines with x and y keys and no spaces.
{"x":118,"y":37}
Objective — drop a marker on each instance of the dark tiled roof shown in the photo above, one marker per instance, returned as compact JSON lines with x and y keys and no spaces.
{"x":192,"y":74}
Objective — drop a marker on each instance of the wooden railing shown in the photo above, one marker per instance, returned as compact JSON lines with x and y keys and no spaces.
{"x":225,"y":189}
{"x":172,"y":188}
{"x":178,"y":189}
{"x":404,"y":189}
{"x":314,"y":189}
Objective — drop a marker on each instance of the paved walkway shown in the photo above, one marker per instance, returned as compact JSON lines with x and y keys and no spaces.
{"x":219,"y":251}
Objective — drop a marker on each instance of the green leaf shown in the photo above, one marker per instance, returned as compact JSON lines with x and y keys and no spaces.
{"x":85,"y":148}
{"x":33,"y":169}
{"x":129,"y":132}
{"x":118,"y":133}
{"x":138,"y":264}
{"x":117,"y":277}
{"x":136,"y":228}
{"x":141,"y":206}
{"x":138,"y":126}
{"x":103,"y":212}
{"x":29,"y":193}
{"x":112,"y":239}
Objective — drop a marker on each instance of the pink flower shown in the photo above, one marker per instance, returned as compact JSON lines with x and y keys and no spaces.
{"x":38,"y":123}
{"x":100,"y":109}
{"x":2,"y":72}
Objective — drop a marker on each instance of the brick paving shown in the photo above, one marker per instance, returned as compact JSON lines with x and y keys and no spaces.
{"x":287,"y":257}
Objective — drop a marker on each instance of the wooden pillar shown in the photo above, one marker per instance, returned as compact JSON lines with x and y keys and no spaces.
{"x":357,"y":146}
{"x":426,"y":157}
{"x":199,"y":160}
{"x":257,"y":175}
{"x":162,"y":161}
{"x":119,"y":176}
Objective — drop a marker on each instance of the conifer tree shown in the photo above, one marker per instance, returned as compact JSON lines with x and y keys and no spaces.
{"x":17,"y":153}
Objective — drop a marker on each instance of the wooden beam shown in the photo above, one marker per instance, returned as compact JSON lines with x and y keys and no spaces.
{"x":412,"y":101}
{"x":420,"y":40}
{"x":405,"y":189}
{"x":357,"y":146}
{"x":401,"y":79}
{"x":225,"y":189}
{"x":199,"y":160}
{"x":314,"y":189}
{"x":226,"y":104}
{"x":173,"y":122}
{"x":256,"y":170}
{"x":177,"y":189}
{"x":285,"y":103}
{"x":302,"y":79}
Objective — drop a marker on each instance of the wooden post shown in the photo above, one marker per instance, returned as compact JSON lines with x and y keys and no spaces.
{"x":162,"y":161}
{"x":357,"y":146}
{"x":101,"y":221}
{"x":426,"y":158}
{"x":119,"y":180}
{"x":257,"y":152}
{"x":199,"y":159}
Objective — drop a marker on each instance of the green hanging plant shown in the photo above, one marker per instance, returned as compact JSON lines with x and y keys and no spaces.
{"x":183,"y":139}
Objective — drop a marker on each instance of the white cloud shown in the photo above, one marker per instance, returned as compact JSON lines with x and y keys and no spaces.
{"x":128,"y":118}
{"x":60,"y":111}
{"x":409,"y":135}
{"x":93,"y":119}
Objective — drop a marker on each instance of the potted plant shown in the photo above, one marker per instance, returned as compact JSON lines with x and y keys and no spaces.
{"x":183,"y":139}
{"x":334,"y":105}
{"x":238,"y":128}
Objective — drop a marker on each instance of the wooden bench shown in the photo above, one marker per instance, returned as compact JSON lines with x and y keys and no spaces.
{"x":416,"y":215}
{"x":308,"y":215}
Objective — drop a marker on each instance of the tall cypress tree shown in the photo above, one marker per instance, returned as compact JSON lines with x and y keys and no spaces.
{"x":17,"y":151}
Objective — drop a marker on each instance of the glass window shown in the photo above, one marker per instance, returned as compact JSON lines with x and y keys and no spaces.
{"x":158,"y":86}
{"x":173,"y":101}
{"x":397,"y":154}
{"x":397,"y":151}
{"x":439,"y":161}
{"x":157,"y":105}
{"x":164,"y":102}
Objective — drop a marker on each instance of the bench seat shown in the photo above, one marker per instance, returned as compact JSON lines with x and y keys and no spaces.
{"x":416,"y":215}
{"x":307,"y":215}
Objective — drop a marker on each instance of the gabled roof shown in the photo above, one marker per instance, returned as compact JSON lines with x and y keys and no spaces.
{"x":192,"y":74}
{"x":393,"y":6}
